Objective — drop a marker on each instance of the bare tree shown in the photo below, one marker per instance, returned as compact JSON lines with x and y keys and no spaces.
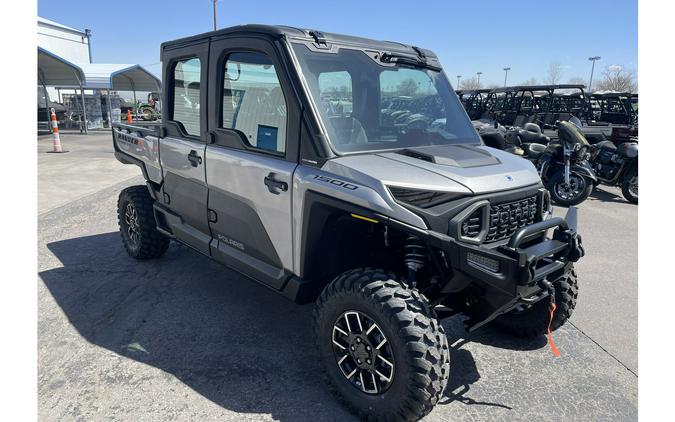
{"x":529,"y":82}
{"x":407,"y":87}
{"x":493,"y":86}
{"x":577,"y":80}
{"x":470,"y":83}
{"x":554,"y":74}
{"x":617,"y":78}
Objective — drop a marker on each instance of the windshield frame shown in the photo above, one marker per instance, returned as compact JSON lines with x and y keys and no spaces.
{"x":440,"y":79}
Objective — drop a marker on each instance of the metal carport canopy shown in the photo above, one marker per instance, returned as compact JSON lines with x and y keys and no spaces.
{"x":120,"y":77}
{"x":57,"y":71}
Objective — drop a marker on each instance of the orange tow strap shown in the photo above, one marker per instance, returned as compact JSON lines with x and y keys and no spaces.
{"x":554,"y":349}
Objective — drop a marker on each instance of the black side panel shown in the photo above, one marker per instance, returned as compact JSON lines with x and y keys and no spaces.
{"x":187,"y":199}
{"x":236,"y":259}
{"x":238,"y":225}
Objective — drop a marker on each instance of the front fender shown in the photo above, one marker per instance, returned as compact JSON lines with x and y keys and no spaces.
{"x":583,"y":169}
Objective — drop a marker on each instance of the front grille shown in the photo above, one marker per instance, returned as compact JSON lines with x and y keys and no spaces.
{"x":508,"y":217}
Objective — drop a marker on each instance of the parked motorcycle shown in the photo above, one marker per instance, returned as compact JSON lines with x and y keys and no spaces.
{"x":617,"y":166}
{"x":563,"y":164}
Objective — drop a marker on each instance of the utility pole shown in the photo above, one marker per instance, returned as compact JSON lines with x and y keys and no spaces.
{"x":506,"y":74}
{"x":458,"y":78}
{"x":479,"y":73}
{"x":214,"y":15}
{"x":590,"y":82}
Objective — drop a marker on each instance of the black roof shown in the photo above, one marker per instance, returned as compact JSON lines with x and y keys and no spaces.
{"x":474,"y":91}
{"x":612,"y":94}
{"x":278,"y":31}
{"x":538,"y":87}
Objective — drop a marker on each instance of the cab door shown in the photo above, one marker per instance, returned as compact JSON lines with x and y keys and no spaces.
{"x":181,"y":151}
{"x":251,"y":158}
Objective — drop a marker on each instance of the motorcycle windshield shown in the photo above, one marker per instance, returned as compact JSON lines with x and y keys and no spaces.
{"x":366,"y":105}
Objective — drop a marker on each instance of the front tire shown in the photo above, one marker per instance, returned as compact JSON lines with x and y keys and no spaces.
{"x":367,"y":313}
{"x":137,"y":224}
{"x":575,"y":193}
{"x":629,"y":187}
{"x":533,"y":321}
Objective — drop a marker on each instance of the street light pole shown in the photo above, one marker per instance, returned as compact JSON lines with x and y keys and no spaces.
{"x":479,"y":73}
{"x":458,"y":78}
{"x":590,"y":82}
{"x":506,"y":74}
{"x":214,"y":15}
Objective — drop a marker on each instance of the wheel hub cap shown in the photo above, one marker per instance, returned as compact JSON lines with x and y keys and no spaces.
{"x":633,"y":186}
{"x":571,"y":190}
{"x":131,"y":219}
{"x":362,"y":352}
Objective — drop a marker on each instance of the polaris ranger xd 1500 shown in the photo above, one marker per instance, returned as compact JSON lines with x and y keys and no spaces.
{"x":283,"y":155}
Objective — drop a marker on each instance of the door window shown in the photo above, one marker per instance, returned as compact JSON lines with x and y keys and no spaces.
{"x":253,"y":102}
{"x":186,"y":89}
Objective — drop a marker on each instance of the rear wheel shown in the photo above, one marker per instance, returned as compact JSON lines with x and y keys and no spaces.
{"x":137,"y":224}
{"x":629,"y":187}
{"x":533,"y":320}
{"x":576,"y":192}
{"x":383,"y":351}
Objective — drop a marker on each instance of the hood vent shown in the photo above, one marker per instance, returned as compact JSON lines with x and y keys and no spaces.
{"x":416,"y":154}
{"x":452,"y":155}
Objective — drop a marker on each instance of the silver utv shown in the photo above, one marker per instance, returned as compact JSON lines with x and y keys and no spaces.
{"x":344,"y":171}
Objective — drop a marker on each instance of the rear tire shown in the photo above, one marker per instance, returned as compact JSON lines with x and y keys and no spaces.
{"x":420,"y":359}
{"x":582,"y":188}
{"x":533,"y":321}
{"x":629,"y":187}
{"x":137,"y":224}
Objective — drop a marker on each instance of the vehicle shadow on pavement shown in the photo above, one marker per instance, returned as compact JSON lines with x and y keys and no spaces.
{"x":463,"y":369}
{"x":605,"y":196}
{"x":231,"y":340}
{"x":236,"y":343}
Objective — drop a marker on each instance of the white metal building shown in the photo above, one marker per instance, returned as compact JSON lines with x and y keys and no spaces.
{"x":69,"y":43}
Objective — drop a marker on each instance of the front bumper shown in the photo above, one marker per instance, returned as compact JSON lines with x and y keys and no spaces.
{"x":516,"y":273}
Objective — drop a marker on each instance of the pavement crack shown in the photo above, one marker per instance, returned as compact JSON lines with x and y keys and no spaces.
{"x":603,"y":349}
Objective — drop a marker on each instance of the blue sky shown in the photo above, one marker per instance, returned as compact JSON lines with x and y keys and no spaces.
{"x":468,"y":36}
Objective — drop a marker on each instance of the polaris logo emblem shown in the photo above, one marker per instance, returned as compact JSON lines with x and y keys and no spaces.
{"x":509,"y":178}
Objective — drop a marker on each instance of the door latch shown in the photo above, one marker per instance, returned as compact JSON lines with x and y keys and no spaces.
{"x":275,"y":186}
{"x":194,"y":159}
{"x":212,"y":216}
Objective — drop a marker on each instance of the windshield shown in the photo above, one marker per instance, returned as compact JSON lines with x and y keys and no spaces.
{"x":368,"y":106}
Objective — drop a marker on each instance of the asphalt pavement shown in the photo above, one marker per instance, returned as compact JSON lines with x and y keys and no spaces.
{"x":184,"y":338}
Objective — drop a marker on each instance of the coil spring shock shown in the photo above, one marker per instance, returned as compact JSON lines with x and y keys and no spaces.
{"x":415,"y":257}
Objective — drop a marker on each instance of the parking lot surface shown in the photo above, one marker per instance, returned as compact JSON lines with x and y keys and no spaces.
{"x":184,"y":338}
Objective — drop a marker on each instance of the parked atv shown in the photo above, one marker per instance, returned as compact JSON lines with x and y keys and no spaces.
{"x":617,"y":166}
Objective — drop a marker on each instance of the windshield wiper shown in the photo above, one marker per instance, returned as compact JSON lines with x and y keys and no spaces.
{"x":408,"y":61}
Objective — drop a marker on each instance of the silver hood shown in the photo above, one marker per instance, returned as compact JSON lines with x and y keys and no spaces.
{"x":454,"y":168}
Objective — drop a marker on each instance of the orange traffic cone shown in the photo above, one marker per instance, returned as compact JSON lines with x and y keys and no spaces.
{"x":55,"y":130}
{"x":129,"y":118}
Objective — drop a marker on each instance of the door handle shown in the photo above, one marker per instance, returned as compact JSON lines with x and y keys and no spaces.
{"x":275,"y":186}
{"x":194,"y":159}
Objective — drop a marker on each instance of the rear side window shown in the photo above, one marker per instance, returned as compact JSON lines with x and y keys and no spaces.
{"x":186,"y":76}
{"x":253,"y":102}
